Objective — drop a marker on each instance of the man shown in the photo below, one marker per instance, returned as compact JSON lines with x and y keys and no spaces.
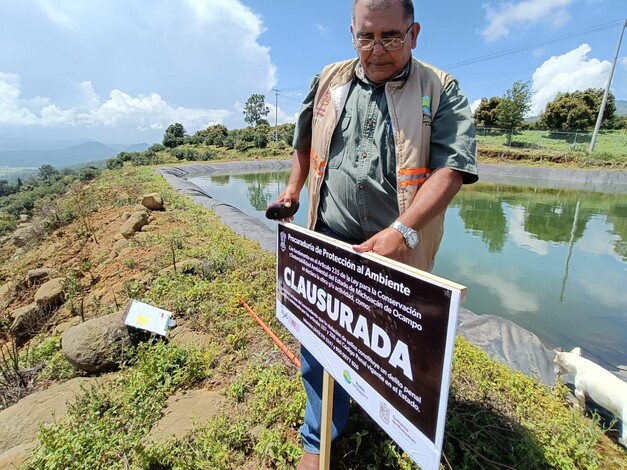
{"x":386,"y":141}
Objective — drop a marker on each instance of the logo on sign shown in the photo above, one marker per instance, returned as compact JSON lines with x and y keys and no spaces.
{"x":283,"y":239}
{"x":426,"y":110}
{"x":384,"y":413}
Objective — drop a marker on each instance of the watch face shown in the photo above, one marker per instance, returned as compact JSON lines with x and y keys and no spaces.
{"x":412,"y":239}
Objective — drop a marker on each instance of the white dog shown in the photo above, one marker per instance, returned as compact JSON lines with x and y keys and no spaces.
{"x":592,"y":380}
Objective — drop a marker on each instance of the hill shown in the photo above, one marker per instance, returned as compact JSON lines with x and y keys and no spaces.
{"x":621,"y":107}
{"x":80,"y":153}
{"x":83,"y":152}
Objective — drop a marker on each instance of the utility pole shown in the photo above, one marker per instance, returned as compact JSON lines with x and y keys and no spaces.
{"x":607,"y":90}
{"x":276,"y":114}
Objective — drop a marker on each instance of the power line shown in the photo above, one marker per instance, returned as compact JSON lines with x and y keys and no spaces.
{"x":515,"y":50}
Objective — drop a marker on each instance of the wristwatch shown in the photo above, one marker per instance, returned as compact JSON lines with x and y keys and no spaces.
{"x":409,"y":234}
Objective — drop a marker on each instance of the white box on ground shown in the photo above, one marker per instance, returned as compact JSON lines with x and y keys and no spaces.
{"x":149,"y":318}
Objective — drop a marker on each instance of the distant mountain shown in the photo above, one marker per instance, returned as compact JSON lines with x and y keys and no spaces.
{"x":621,"y":107}
{"x":129,"y":148}
{"x":59,"y":158}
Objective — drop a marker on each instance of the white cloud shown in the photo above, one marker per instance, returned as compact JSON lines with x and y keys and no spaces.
{"x":474,"y":105}
{"x":502,"y":283}
{"x":279,"y":116}
{"x":521,"y":237}
{"x":569,"y":72}
{"x":11,"y":111}
{"x":598,"y":241}
{"x":527,"y":12}
{"x":120,"y":110}
{"x":119,"y":64}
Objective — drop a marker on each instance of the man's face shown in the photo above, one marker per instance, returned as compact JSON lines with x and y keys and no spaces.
{"x":379,"y":64}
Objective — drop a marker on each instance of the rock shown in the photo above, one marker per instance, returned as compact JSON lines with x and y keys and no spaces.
{"x":152,"y":201}
{"x":25,"y":218}
{"x":50,"y":294}
{"x":35,"y":275}
{"x":6,"y":293}
{"x":14,"y":458}
{"x":20,"y":423}
{"x":183,"y":411}
{"x":134,"y":223}
{"x":26,"y":322}
{"x":118,"y":246}
{"x":97,"y":345}
{"x":66,"y":325}
{"x":186,"y":338}
{"x":21,"y":237}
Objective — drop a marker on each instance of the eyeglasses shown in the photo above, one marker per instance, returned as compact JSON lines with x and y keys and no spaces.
{"x":389,"y":44}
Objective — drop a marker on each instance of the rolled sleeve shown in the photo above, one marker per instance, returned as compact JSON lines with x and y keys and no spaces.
{"x":453,"y":143}
{"x":302,"y":131}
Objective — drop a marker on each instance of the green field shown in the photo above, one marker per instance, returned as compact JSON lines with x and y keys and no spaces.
{"x":614,"y":142}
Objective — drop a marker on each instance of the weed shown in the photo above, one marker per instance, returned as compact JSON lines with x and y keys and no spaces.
{"x":73,"y":289}
{"x":278,"y":449}
{"x":16,"y":379}
{"x":134,"y":289}
{"x":224,"y":444}
{"x":49,"y":359}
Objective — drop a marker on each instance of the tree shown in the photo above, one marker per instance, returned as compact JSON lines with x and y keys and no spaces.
{"x":510,"y":111}
{"x":485,"y":114}
{"x":256,"y":110}
{"x":6,"y":189}
{"x":47,"y":172}
{"x":214,"y":134}
{"x":578,"y":110}
{"x":174,"y":135}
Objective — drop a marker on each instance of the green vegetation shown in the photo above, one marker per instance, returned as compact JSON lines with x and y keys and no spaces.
{"x":496,"y":418}
{"x":579,"y":110}
{"x":215,"y":142}
{"x":535,"y":146}
{"x":562,"y":134}
{"x":37,"y":192}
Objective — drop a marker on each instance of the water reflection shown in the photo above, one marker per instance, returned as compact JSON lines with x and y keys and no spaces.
{"x":552,"y":261}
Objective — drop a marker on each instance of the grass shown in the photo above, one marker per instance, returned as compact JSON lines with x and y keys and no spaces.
{"x":496,"y":418}
{"x":545,"y":147}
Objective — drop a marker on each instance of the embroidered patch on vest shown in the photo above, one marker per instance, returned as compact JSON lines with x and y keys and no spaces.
{"x":321,"y":109}
{"x":426,"y":110}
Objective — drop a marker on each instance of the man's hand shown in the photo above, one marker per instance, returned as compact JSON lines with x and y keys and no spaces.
{"x":389,"y":243}
{"x":288,"y":196}
{"x":298,"y":175}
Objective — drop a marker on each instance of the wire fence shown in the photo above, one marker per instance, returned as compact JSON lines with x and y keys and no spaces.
{"x":614,"y":142}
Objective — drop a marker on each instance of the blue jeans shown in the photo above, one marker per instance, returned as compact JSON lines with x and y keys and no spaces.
{"x":312,"y":373}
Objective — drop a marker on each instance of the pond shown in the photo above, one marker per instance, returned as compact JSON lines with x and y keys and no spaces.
{"x":553,"y":261}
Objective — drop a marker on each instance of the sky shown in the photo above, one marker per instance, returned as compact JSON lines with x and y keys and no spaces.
{"x":121,"y":71}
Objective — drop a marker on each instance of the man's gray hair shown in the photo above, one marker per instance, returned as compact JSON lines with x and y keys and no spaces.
{"x":408,"y":7}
